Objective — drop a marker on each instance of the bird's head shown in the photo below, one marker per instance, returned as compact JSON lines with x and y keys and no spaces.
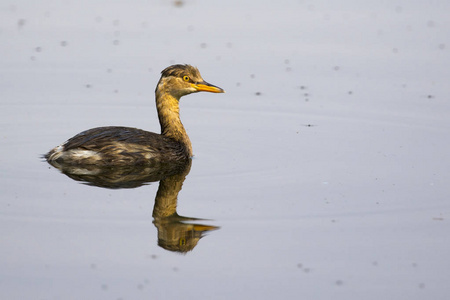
{"x":181,"y":80}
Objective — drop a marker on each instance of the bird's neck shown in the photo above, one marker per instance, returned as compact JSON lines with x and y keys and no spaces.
{"x":169,"y":118}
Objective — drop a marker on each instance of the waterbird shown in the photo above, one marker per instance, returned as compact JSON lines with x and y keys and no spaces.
{"x":119,"y":146}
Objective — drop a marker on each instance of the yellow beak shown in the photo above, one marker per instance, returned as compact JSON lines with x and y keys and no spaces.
{"x":206,"y":87}
{"x":198,"y":227}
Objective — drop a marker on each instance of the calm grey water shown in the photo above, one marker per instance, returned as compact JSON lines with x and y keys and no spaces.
{"x":325,"y":166}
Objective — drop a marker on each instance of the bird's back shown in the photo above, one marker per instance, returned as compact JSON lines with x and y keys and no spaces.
{"x":117,"y":146}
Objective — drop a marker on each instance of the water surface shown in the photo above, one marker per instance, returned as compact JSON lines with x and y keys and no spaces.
{"x":323,"y":170}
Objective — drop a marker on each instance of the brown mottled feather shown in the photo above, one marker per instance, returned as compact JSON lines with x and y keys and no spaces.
{"x":124,"y":145}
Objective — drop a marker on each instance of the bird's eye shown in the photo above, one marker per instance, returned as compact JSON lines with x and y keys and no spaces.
{"x":186,"y":78}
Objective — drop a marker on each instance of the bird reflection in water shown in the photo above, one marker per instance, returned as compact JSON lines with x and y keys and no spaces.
{"x":175,"y":233}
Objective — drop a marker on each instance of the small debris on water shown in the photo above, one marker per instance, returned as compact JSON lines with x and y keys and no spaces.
{"x":178,"y":3}
{"x":21,"y":23}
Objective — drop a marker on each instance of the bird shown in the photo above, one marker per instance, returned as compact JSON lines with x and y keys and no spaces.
{"x":121,"y":146}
